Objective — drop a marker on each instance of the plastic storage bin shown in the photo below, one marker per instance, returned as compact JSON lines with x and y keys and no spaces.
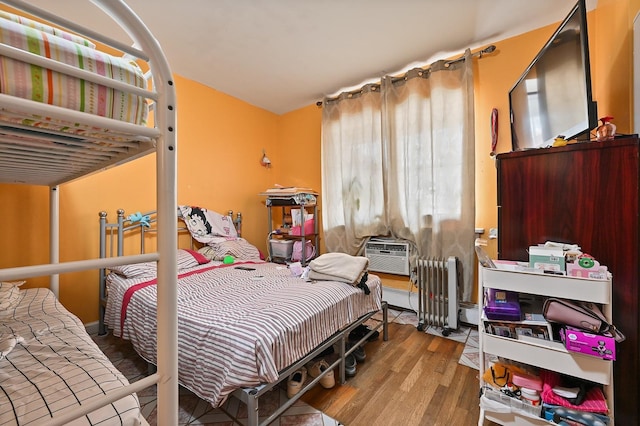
{"x":281,"y":248}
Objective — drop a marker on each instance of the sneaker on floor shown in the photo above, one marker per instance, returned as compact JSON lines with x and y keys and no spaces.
{"x":296,"y":381}
{"x":350,"y":365}
{"x":362,"y":330}
{"x":315,"y":368}
{"x":358,"y":353}
{"x":330,"y":350}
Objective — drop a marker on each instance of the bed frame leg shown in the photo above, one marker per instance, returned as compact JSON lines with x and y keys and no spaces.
{"x":102,"y":328}
{"x":385,"y":321}
{"x":252,"y":410}
{"x":343,"y":376}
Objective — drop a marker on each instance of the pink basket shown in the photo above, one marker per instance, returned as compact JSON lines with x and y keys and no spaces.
{"x":309,"y":228}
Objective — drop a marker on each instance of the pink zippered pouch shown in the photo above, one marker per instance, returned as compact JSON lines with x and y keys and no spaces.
{"x":527,"y":381}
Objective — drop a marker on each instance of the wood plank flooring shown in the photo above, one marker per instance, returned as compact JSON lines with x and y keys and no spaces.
{"x":414,"y":378}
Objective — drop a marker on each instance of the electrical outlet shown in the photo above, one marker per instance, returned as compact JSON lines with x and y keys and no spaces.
{"x":493,"y":233}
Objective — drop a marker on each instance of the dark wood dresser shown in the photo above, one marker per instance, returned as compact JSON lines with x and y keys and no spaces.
{"x":587,"y":194}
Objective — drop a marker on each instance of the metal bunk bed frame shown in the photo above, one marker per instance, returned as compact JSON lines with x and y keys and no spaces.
{"x":24,"y":163}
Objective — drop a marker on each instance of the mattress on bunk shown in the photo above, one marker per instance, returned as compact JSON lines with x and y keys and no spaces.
{"x":237,"y":328}
{"x":35,"y":83}
{"x":55,"y":366}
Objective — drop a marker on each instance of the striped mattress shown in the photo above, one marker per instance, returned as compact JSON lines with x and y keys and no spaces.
{"x":237,"y":328}
{"x":39,"y":84}
{"x":56,"y":367}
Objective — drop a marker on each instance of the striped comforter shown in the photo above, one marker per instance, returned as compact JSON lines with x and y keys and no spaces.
{"x":238,"y":328}
{"x":32,"y":82}
{"x":56,"y":367}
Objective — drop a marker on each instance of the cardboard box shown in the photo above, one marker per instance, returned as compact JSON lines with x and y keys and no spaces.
{"x":547,"y":258}
{"x":588,"y":343}
{"x":281,"y":248}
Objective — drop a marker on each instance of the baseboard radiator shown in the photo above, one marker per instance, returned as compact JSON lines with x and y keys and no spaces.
{"x":438,"y":296}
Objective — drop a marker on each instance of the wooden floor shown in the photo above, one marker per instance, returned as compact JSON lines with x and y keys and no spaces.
{"x":414,"y":378}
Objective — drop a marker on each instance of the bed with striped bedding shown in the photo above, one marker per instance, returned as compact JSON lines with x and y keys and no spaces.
{"x":237,"y":328}
{"x":54,"y":366}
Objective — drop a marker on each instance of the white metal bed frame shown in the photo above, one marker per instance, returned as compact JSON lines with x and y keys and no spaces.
{"x":21,"y":162}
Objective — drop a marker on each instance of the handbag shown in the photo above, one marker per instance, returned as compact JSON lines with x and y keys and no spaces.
{"x":296,"y":254}
{"x":583,"y":315}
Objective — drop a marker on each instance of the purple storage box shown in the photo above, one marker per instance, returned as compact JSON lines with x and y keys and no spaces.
{"x":502,"y":305}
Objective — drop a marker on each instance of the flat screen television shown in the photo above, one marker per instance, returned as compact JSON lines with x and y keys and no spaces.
{"x":553,"y":96}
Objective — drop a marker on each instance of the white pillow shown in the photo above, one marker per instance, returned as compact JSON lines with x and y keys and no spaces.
{"x":239,"y":248}
{"x":186,"y":259}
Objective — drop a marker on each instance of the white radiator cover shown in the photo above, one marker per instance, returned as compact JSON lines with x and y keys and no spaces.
{"x":388,"y":256}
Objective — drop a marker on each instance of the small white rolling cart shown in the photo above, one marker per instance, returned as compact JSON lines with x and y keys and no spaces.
{"x":539,"y":353}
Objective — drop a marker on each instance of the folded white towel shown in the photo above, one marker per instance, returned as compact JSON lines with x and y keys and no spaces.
{"x":339,"y":267}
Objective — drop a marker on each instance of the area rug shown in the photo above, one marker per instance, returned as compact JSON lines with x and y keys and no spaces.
{"x":470,"y":354}
{"x":195,"y":411}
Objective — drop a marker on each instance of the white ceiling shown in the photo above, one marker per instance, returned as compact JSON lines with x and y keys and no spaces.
{"x":282,"y":55}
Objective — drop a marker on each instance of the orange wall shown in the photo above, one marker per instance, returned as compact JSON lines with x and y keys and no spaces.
{"x":221,"y":141}
{"x":299,"y":135}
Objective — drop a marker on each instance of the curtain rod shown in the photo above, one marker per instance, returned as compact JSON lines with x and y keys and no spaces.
{"x":489,"y":49}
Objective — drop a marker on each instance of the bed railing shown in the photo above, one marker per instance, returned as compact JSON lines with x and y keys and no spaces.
{"x":103,"y":142}
{"x":136,"y":226}
{"x":36,"y":169}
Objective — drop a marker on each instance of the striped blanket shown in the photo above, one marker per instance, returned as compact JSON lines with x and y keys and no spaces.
{"x":238,"y":328}
{"x":32,"y":82}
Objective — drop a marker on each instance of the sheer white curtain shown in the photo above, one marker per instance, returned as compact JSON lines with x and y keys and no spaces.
{"x":398,"y":160}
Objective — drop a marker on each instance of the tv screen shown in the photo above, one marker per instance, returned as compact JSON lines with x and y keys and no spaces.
{"x":553,"y":96}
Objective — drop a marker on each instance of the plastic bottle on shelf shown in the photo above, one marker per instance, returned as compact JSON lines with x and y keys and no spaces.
{"x":530,"y":396}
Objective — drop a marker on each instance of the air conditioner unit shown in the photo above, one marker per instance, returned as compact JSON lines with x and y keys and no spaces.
{"x":387,"y":255}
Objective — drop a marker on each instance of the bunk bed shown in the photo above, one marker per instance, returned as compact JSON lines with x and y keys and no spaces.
{"x":51,"y":137}
{"x":245,"y":324}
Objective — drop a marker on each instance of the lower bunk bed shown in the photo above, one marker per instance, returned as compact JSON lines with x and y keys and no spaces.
{"x":244,"y":326}
{"x":49,"y":365}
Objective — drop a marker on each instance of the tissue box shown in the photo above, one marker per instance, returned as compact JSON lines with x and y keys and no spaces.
{"x":281,"y":248}
{"x":588,"y":343}
{"x":547,"y":258}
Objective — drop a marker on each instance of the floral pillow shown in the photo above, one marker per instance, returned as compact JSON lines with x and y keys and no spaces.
{"x":207,"y":226}
{"x":186,"y":259}
{"x":9,"y":294}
